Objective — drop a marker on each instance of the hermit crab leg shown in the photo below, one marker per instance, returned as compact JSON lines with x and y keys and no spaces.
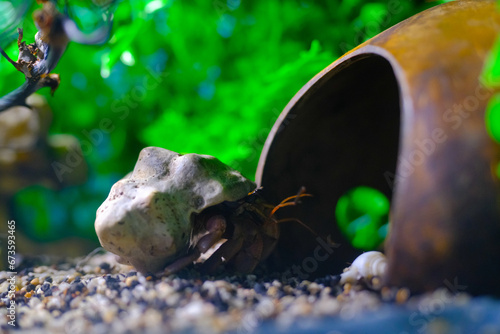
{"x":216,"y":227}
{"x":224,"y":254}
{"x":182,"y":262}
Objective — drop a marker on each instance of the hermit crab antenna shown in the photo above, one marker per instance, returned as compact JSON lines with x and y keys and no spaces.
{"x":286,"y":201}
{"x":301,"y":223}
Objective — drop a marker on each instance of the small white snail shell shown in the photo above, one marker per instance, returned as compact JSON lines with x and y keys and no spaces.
{"x":365,"y":266}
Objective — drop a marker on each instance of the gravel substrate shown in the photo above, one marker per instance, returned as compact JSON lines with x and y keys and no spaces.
{"x":97,"y":295}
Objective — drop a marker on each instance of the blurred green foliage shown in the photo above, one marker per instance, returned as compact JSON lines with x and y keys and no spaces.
{"x":493,"y":118}
{"x":197,"y":76}
{"x":491,"y":79}
{"x":363,"y":217}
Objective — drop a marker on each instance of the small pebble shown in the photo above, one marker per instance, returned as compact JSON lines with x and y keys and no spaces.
{"x":260,"y":288}
{"x":131,"y":281}
{"x":376,"y":283}
{"x":387,"y":294}
{"x":402,"y":295}
{"x":272,"y":291}
{"x":347,"y":288}
{"x":105,"y":266}
{"x":314,"y":288}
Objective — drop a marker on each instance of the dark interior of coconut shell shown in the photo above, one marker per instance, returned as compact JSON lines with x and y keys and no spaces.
{"x":342,"y":133}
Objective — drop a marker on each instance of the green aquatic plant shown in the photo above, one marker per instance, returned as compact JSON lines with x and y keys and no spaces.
{"x":362,"y":216}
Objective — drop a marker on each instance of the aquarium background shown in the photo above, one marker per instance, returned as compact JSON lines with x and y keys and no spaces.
{"x":207,"y":77}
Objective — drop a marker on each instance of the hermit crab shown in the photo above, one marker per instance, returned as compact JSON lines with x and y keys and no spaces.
{"x":173,"y":208}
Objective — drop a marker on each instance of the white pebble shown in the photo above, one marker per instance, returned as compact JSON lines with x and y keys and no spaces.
{"x":54,"y":303}
{"x":265,"y":308}
{"x":196,"y":309}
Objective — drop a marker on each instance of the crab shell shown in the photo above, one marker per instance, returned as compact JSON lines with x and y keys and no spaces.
{"x":147,"y":219}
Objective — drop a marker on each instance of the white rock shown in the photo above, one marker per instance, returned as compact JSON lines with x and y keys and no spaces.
{"x":147,"y":218}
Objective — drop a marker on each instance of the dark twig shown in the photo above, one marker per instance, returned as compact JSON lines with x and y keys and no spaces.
{"x":37,"y":60}
{"x":7,"y":57}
